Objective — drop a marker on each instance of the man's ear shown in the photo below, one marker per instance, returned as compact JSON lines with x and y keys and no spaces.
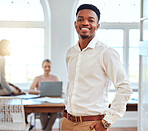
{"x":98,"y":25}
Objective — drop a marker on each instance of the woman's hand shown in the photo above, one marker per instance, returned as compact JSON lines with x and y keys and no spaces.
{"x":34,"y":92}
{"x":98,"y":126}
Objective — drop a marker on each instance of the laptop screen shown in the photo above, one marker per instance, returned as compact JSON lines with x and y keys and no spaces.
{"x":51,"y":88}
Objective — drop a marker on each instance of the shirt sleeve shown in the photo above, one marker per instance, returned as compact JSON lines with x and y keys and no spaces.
{"x":67,"y":89}
{"x":115,"y":72}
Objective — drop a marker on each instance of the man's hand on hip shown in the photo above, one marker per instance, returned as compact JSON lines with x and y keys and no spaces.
{"x":98,"y":126}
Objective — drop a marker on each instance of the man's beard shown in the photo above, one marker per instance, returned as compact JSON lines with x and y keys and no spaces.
{"x":84,"y":37}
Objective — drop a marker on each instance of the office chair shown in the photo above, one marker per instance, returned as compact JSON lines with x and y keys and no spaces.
{"x":12,"y":115}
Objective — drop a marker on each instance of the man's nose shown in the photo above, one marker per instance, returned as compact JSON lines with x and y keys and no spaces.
{"x":85,"y":22}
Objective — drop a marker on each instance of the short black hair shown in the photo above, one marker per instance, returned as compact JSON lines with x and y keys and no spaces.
{"x":90,"y":7}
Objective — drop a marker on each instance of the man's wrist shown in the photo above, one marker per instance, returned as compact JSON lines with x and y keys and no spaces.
{"x":105,"y":123}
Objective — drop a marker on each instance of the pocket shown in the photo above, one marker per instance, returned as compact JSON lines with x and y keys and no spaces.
{"x":66,"y":125}
{"x":92,"y":129}
{"x":62,"y":122}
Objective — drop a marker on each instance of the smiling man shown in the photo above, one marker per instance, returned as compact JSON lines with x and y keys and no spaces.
{"x":92,"y":66}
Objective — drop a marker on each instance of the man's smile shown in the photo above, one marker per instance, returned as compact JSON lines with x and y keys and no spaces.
{"x":84,"y":29}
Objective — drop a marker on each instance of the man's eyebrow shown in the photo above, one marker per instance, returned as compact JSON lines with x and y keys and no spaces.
{"x":91,"y":17}
{"x":80,"y":16}
{"x":88,"y":17}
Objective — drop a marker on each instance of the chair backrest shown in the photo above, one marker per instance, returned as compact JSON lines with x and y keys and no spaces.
{"x":12,"y":115}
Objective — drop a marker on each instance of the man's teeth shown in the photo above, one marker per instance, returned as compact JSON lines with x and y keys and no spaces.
{"x":84,"y":29}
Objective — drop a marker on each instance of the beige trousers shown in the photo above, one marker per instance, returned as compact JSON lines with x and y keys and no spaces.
{"x":67,"y":125}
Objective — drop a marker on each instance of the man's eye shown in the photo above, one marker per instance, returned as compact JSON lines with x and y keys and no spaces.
{"x":91,"y":21}
{"x":80,"y":19}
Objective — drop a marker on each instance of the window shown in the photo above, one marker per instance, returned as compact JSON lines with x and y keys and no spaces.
{"x":27,"y":53}
{"x":117,"y":44}
{"x":116,"y":10}
{"x":120,"y":31}
{"x":134,"y":55}
{"x":22,"y":22}
{"x":21,"y":10}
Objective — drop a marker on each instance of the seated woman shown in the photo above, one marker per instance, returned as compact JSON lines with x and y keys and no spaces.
{"x":47,"y":119}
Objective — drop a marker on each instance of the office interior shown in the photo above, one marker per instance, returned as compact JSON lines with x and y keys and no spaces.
{"x":40,"y":29}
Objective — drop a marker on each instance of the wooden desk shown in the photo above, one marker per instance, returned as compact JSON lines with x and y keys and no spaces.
{"x":32,"y":106}
{"x":132,"y":104}
{"x":132,"y":107}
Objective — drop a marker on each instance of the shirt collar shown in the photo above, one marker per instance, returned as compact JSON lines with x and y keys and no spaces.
{"x":91,"y":44}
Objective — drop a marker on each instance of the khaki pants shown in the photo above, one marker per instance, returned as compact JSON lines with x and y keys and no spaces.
{"x":67,"y":125}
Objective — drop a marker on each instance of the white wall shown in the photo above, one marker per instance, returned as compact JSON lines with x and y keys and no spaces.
{"x":62,"y":22}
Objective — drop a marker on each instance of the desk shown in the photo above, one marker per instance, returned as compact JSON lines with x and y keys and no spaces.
{"x":132,"y":107}
{"x":132,"y":104}
{"x":31,"y":106}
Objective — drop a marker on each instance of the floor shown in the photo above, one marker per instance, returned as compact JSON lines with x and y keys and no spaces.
{"x":112,"y":129}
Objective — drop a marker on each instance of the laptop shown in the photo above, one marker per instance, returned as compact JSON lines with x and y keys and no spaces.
{"x":51,"y":88}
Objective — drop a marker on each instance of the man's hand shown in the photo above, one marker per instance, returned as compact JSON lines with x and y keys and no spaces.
{"x":98,"y":126}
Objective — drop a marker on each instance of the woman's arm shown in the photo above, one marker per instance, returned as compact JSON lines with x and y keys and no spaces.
{"x":34,"y":92}
{"x":57,"y":78}
{"x":33,"y":86}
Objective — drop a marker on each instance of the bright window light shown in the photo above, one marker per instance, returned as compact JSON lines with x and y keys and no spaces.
{"x":27,"y":44}
{"x":21,"y":10}
{"x":27,"y":53}
{"x":116,"y":10}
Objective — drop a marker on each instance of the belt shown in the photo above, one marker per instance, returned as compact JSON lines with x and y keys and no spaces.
{"x":82,"y":118}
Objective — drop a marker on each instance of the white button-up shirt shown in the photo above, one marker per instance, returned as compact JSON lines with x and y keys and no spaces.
{"x":90,"y":73}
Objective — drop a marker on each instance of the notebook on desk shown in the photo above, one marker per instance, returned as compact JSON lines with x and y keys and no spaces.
{"x":52,"y":88}
{"x":28,"y":96}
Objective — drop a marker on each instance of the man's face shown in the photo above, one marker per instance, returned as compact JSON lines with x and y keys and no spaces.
{"x":86,"y":23}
